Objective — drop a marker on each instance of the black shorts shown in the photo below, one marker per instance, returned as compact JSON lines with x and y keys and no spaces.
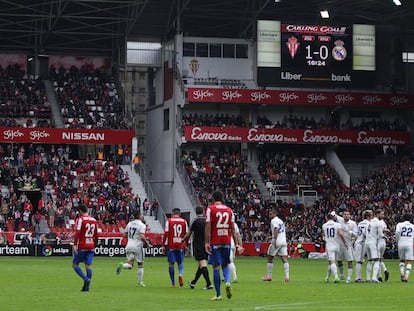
{"x":200,"y":253}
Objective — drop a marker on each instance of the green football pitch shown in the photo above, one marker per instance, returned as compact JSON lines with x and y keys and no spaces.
{"x":51,"y":284}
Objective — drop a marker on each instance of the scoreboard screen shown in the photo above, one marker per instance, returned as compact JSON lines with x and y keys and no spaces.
{"x":316,"y":52}
{"x":311,"y":55}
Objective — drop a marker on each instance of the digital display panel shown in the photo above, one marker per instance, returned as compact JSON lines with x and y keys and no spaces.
{"x":318,"y":55}
{"x":312,"y":52}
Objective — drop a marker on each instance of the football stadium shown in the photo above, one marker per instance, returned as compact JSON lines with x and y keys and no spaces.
{"x":206,"y":155}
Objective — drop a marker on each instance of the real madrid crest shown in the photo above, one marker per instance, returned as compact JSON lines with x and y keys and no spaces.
{"x":339,"y":52}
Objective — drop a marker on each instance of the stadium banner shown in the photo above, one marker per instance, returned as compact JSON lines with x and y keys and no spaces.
{"x":66,"y":238}
{"x":54,"y":250}
{"x":17,"y":250}
{"x":299,"y":97}
{"x":119,"y":251}
{"x":65,"y":136}
{"x":294,"y":136}
{"x":260,"y":249}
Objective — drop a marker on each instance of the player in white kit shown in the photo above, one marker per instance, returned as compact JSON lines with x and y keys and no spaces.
{"x":372,"y":234}
{"x":135,"y":232}
{"x":277,"y":247}
{"x":382,"y":245}
{"x":333,"y":235}
{"x":404,"y":233}
{"x":359,"y":246}
{"x":350,"y":230}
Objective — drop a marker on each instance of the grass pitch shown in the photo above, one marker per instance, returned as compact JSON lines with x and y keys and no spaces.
{"x":50,"y":284}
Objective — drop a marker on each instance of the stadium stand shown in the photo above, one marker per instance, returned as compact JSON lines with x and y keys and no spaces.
{"x":88,"y":98}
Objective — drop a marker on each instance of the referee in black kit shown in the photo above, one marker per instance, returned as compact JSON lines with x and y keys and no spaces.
{"x":197,"y":230}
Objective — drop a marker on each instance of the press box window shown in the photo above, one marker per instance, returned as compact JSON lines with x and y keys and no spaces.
{"x":166,"y":119}
{"x":188,"y":49}
{"x":202,"y":50}
{"x":228,"y":50}
{"x":215,"y":50}
{"x":241,"y":51}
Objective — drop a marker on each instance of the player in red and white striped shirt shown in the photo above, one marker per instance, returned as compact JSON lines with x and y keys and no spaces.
{"x":176,"y":228}
{"x":85,"y":240}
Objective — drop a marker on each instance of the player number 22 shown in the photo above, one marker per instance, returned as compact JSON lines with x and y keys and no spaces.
{"x":223,"y":220}
{"x":406,"y":231}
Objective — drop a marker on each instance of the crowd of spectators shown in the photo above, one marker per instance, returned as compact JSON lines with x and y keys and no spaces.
{"x":227,"y":170}
{"x":64,"y":184}
{"x":23,"y":100}
{"x":332,"y":123}
{"x":294,"y":122}
{"x":290,"y":169}
{"x":220,"y":120}
{"x":299,"y":122}
{"x":375,"y":125}
{"x":390,"y":189}
{"x":88,"y":98}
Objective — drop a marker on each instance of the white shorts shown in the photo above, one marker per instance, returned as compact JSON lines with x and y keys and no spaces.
{"x":359,"y":252}
{"x":381,"y":247}
{"x":346,"y":253}
{"x":137,"y":255}
{"x":372,"y":251}
{"x":405,"y":252}
{"x":332,"y":252}
{"x":280,"y":250}
{"x":232,"y":254}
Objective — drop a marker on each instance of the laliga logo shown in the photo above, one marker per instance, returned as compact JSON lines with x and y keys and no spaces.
{"x":36,"y":135}
{"x":47,"y":251}
{"x":11,"y":134}
{"x":369,"y":99}
{"x":229,"y":95}
{"x":396,"y":101}
{"x":258,"y":96}
{"x":315,"y":97}
{"x":286,"y":97}
{"x":342,"y":98}
{"x":200,"y":94}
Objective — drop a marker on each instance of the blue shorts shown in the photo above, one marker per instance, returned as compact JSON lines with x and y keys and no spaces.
{"x":175,"y":255}
{"x":83,"y":256}
{"x":220,"y":255}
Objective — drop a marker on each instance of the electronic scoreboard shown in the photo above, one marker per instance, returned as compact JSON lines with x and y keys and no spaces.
{"x":315,"y":55}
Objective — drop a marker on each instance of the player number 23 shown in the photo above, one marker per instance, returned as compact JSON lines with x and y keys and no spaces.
{"x":90,"y":230}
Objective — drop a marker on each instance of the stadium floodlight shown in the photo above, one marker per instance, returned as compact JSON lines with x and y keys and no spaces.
{"x":397,"y":2}
{"x":324,"y":14}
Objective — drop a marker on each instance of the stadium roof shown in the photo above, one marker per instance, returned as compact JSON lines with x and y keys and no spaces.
{"x":100,"y":26}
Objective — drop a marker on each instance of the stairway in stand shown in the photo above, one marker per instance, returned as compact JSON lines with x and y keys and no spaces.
{"x":137,"y":186}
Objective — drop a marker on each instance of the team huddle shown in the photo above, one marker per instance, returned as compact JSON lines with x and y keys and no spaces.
{"x":348,"y":241}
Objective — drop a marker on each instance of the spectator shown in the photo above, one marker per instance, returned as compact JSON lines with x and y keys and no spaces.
{"x":154,"y":209}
